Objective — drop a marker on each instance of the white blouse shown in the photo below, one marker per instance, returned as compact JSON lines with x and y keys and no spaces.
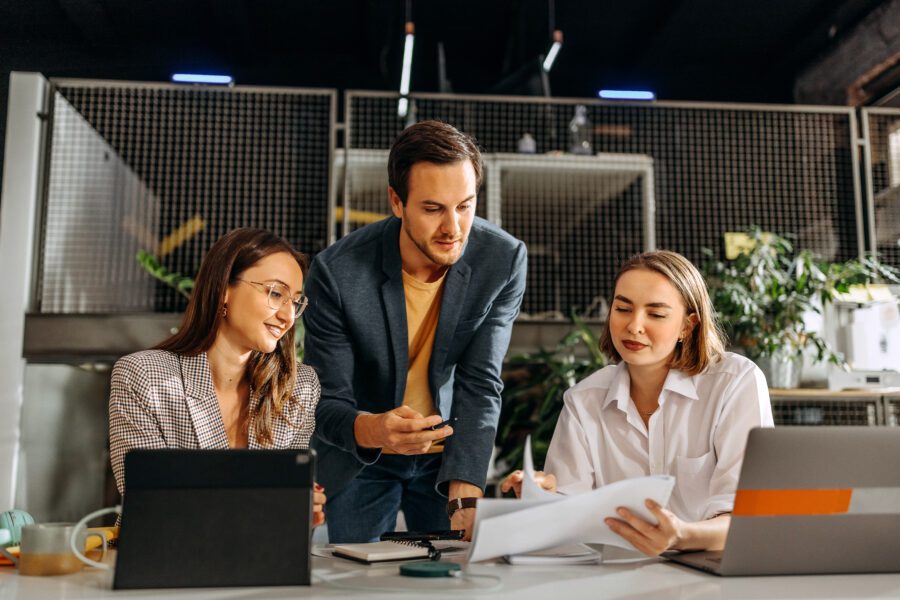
{"x":697,"y":434}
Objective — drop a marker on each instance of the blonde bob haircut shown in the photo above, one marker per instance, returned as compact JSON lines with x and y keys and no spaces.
{"x":705,"y":343}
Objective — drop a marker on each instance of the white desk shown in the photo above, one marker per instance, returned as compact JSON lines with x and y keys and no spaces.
{"x":636,"y":580}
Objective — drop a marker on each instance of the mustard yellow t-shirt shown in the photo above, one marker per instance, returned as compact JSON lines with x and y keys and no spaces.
{"x":423,"y":309}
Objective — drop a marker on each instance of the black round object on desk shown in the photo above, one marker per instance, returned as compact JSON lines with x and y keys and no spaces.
{"x":429,"y":569}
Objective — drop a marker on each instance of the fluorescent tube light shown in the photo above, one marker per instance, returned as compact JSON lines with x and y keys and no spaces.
{"x":403,"y":105}
{"x":554,"y":50}
{"x":199,"y":78}
{"x":407,"y":59}
{"x":626,"y":95}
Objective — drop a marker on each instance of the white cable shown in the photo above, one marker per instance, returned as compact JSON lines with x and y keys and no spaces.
{"x":73,"y":546}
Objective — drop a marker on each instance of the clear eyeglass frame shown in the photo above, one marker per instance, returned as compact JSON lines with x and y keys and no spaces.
{"x":278,"y":294}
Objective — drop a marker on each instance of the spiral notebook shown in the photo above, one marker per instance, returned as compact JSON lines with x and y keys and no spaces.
{"x":373,"y":552}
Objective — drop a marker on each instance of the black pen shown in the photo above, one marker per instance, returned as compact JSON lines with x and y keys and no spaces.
{"x":449,"y":421}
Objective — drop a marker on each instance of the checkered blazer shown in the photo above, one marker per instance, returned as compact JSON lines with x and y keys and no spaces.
{"x":163,"y":400}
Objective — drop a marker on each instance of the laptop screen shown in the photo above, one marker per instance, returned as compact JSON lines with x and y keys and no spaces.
{"x":817,"y":500}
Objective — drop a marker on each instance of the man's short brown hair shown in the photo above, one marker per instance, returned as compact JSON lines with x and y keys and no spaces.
{"x":433,"y":142}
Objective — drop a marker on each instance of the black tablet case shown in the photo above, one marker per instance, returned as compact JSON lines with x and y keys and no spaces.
{"x":215,"y":518}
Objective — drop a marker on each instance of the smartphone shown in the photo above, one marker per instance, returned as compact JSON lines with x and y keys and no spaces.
{"x":449,"y":421}
{"x":420,"y":536}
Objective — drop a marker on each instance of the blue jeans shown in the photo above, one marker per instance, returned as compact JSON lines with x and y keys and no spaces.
{"x":368,"y":506}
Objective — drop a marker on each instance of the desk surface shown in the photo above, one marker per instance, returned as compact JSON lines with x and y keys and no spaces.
{"x":826,"y":393}
{"x":633,"y":579}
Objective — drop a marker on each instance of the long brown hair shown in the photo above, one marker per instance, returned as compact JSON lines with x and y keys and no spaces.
{"x":705,"y":342}
{"x":272,"y":375}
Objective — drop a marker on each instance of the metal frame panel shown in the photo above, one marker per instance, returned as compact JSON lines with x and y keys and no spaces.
{"x":868,"y":167}
{"x":855,"y":143}
{"x":98,"y":114}
{"x":802,"y":108}
{"x":869,"y":188}
{"x":332,"y":193}
{"x":19,"y":215}
{"x":162,"y":85}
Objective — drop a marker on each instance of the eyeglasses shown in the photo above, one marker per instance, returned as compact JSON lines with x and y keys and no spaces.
{"x":278,"y":294}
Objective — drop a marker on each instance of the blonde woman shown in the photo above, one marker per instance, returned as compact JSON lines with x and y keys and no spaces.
{"x":674,"y":402}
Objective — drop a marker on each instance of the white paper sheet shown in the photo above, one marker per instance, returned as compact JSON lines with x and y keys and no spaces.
{"x":531,"y":491}
{"x":516,"y":526}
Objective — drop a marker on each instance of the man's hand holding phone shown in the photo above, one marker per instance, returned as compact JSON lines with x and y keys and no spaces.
{"x":402,"y":430}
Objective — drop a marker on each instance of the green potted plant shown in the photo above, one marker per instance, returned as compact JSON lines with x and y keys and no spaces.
{"x":533,"y":392}
{"x":763,"y":295}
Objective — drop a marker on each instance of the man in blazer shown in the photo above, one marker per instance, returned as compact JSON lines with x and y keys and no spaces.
{"x":409,"y":322}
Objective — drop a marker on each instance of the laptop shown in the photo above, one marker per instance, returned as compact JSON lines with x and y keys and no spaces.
{"x":813,"y":500}
{"x":215,"y":518}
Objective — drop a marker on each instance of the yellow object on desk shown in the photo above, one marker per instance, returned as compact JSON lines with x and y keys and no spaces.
{"x":91,"y":543}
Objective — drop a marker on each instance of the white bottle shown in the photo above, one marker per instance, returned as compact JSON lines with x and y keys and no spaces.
{"x":526,"y":144}
{"x":580,"y":132}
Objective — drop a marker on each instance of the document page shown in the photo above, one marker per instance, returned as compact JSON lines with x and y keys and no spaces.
{"x":531,"y":491}
{"x":542,"y":520}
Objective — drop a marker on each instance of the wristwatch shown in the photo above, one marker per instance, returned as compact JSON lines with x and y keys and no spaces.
{"x":460,"y":503}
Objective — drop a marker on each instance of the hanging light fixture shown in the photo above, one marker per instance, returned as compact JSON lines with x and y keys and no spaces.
{"x":403,"y":104}
{"x":555,"y":34}
{"x":554,"y":50}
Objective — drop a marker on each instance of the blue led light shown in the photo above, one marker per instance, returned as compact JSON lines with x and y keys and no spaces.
{"x":626,"y":95}
{"x":199,"y":78}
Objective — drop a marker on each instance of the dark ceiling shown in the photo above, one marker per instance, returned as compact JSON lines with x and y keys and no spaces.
{"x":720,"y":50}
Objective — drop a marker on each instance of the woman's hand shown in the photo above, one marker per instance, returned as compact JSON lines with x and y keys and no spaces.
{"x":513,"y":482}
{"x":650,"y":539}
{"x":318,"y":505}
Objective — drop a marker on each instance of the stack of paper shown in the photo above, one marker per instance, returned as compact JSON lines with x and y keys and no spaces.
{"x":570,"y":554}
{"x":541,"y":520}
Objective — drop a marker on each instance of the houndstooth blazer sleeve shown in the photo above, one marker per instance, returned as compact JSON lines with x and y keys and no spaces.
{"x":303,"y":401}
{"x":162,"y":400}
{"x":134,"y":419}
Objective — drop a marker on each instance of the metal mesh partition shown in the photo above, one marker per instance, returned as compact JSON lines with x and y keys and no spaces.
{"x":892,"y":410}
{"x":846,"y":411}
{"x":882,"y":156}
{"x":580,"y":215}
{"x":169,"y":169}
{"x":712,"y":169}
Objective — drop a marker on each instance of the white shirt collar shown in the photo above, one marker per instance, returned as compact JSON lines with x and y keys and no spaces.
{"x":619,"y":390}
{"x":681,"y":383}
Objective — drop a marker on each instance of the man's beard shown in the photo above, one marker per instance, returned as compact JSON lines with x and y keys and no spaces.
{"x":445,"y":260}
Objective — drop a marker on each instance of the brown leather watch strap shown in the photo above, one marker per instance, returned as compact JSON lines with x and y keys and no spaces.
{"x":460,"y":503}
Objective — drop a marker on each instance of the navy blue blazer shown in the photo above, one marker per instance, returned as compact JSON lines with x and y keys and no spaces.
{"x":357,"y":341}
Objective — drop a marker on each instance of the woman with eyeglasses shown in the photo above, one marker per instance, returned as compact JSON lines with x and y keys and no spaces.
{"x":229,"y":377}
